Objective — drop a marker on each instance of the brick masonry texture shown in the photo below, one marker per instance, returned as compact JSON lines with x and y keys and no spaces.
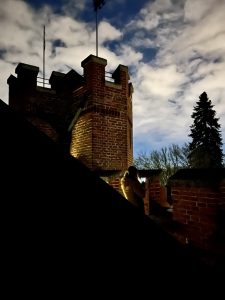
{"x":196,"y":205}
{"x":100,"y":112}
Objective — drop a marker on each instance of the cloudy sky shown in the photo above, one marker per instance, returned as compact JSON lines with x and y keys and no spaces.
{"x":175,"y":50}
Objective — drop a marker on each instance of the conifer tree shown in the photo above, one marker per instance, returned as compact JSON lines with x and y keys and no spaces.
{"x":205,"y":149}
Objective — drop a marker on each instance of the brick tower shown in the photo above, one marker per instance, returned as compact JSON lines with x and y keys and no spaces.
{"x":88,"y":114}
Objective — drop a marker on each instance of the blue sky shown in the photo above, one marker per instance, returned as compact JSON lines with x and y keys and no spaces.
{"x":175,"y":50}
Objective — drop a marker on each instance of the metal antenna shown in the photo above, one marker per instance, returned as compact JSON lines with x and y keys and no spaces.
{"x":96,"y":25}
{"x":97,"y":5}
{"x":44,"y":56}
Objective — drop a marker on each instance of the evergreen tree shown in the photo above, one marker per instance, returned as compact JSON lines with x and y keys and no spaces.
{"x":205,"y":150}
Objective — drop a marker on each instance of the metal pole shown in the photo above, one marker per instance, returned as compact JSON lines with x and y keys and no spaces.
{"x":96,"y":23}
{"x":44,"y":56}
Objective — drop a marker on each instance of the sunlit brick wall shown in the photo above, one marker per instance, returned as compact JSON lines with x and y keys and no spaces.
{"x":102,"y":136}
{"x":196,"y":206}
{"x":103,"y":133}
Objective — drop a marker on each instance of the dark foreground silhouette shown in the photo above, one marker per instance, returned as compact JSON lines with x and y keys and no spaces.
{"x":66,"y":232}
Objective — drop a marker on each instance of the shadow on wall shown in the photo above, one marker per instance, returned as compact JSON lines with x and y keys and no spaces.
{"x":67,"y":231}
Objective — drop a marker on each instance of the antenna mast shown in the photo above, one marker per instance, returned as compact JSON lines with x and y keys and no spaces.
{"x":44,"y":56}
{"x":96,"y":26}
{"x":97,"y":5}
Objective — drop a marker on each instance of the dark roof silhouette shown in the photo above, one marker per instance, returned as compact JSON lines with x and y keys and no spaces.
{"x":203,"y":176}
{"x":199,"y":173}
{"x":149,"y":173}
{"x":66,"y":231}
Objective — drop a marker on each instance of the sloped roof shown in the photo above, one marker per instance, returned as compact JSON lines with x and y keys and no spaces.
{"x":66,"y":227}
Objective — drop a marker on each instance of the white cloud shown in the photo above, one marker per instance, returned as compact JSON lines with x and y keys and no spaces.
{"x":190,"y":59}
{"x":129,"y":56}
{"x":187,"y":37}
{"x":21,"y":39}
{"x":196,"y":10}
{"x":161,"y":82}
{"x":107,"y":32}
{"x":73,"y":7}
{"x":70,"y":31}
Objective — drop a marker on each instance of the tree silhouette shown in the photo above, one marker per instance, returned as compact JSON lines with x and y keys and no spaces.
{"x":205,"y":150}
{"x":169,"y":159}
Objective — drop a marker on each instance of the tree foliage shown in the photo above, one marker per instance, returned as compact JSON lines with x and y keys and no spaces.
{"x":169,"y":159}
{"x":205,"y":149}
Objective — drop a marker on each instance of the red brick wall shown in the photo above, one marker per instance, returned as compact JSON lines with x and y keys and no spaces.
{"x":43,"y":107}
{"x":130,"y":128}
{"x":102,"y":136}
{"x":115,"y":183}
{"x":153,"y":193}
{"x":105,"y":127}
{"x":81,"y":142}
{"x":196,"y":207}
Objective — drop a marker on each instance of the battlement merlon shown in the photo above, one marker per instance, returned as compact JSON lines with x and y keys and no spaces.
{"x":94,"y":73}
{"x":65,"y":82}
{"x":27,"y":74}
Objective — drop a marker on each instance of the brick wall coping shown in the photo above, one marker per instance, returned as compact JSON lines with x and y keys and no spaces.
{"x":113,"y":85}
{"x":107,"y":173}
{"x":149,"y":172}
{"x":21,"y":67}
{"x":120,"y":68}
{"x":198,"y":176}
{"x":142,"y":173}
{"x":96,"y":59}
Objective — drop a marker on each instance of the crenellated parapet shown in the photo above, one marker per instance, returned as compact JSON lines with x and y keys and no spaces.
{"x":91,"y":112}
